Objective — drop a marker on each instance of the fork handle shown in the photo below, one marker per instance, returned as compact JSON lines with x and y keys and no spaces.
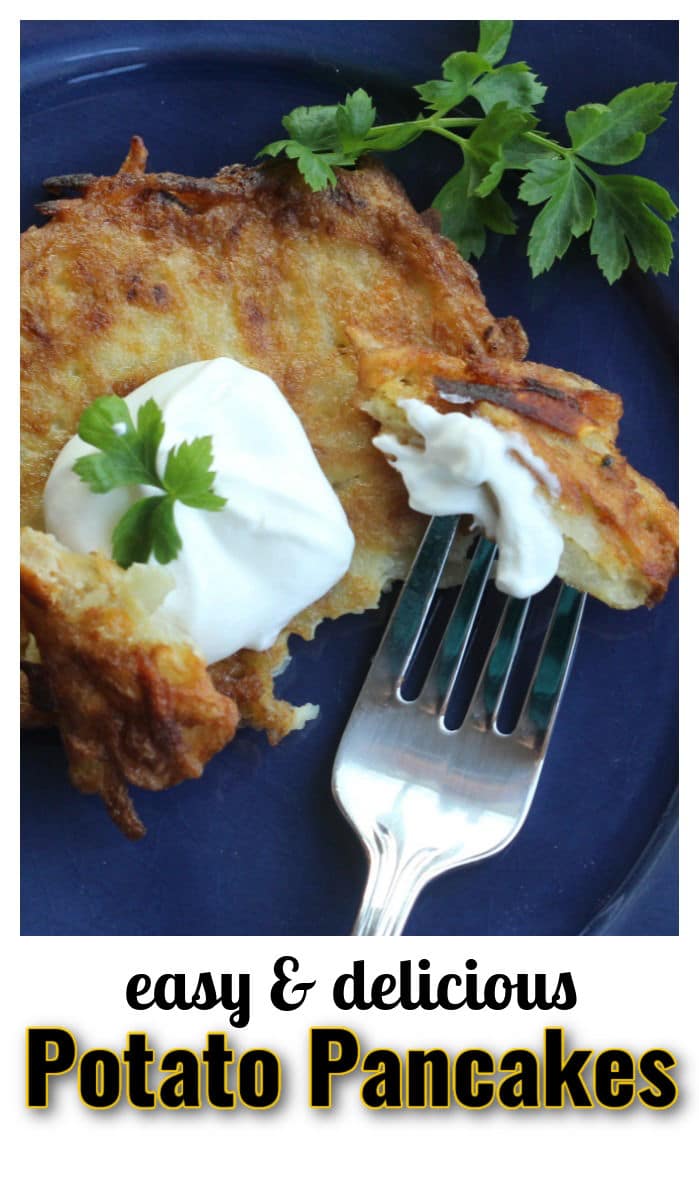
{"x":392,"y":887}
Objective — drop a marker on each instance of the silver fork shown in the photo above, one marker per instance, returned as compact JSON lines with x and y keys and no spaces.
{"x":424,"y":798}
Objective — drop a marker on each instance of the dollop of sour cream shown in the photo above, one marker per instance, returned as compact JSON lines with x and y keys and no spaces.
{"x":280,"y":543}
{"x":468,"y":466}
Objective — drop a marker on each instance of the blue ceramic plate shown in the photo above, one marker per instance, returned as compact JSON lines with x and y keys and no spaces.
{"x":257,"y":846}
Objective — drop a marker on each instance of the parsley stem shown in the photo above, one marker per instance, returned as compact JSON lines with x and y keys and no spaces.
{"x":564,"y":152}
{"x":452,"y":137}
{"x":455,"y":122}
{"x":427,"y":123}
{"x":444,"y":125}
{"x":540,"y":139}
{"x":585,"y":169}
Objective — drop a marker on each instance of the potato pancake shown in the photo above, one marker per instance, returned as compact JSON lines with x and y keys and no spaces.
{"x":620,"y":532}
{"x":143,"y":273}
{"x":138,"y":273}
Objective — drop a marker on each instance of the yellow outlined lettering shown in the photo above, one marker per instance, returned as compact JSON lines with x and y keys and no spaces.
{"x":333,"y":1050}
{"x":39,"y":1064}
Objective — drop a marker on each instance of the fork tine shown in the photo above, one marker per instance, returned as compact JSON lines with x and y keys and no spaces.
{"x":551,"y":671}
{"x":438,"y":687}
{"x":420,"y":802}
{"x":489,"y":691}
{"x":410,"y":614}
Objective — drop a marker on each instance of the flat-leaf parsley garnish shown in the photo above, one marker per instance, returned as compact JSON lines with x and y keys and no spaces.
{"x":625,"y":215}
{"x":127,"y":455}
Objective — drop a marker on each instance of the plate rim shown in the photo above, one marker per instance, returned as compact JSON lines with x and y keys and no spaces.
{"x":38,"y":57}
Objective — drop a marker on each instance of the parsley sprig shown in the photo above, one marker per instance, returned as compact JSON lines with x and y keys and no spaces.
{"x":127,"y":455}
{"x":625,"y":215}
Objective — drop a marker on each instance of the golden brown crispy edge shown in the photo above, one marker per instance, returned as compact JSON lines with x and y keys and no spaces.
{"x":133,"y":702}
